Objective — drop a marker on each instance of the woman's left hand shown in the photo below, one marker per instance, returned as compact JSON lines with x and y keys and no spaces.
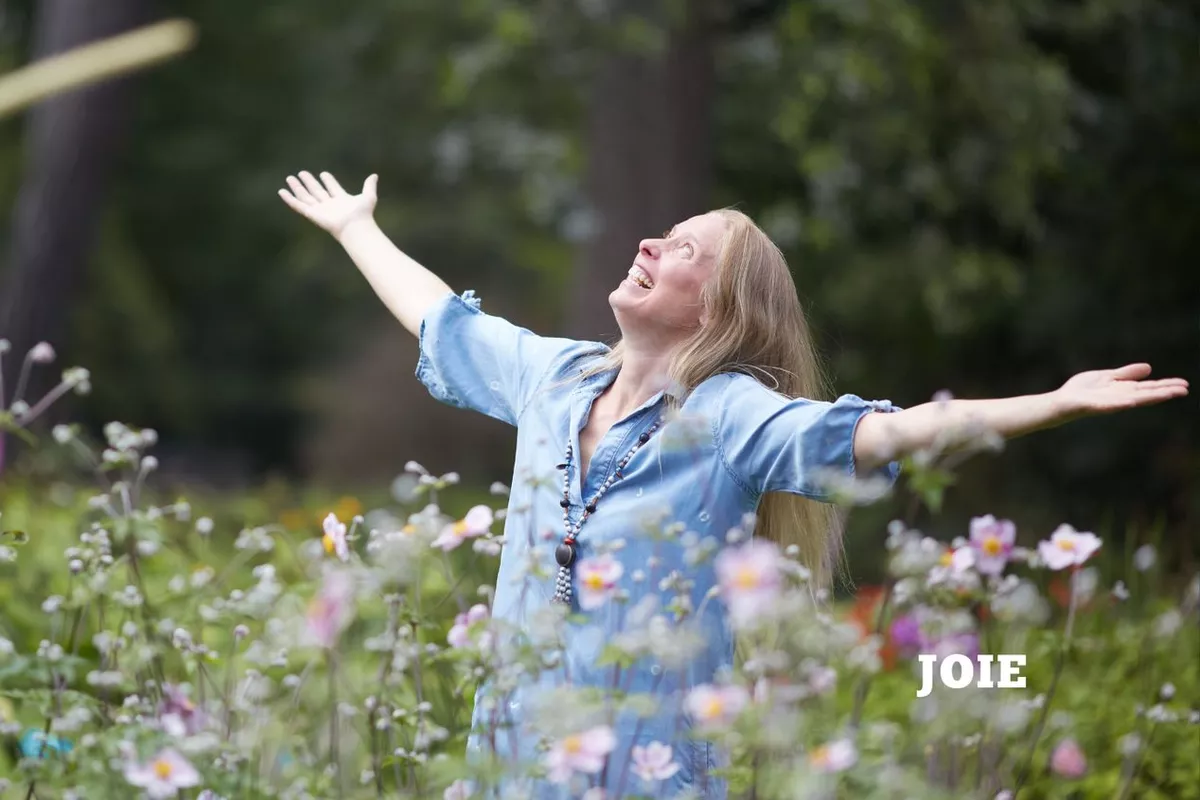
{"x":1105,"y":390}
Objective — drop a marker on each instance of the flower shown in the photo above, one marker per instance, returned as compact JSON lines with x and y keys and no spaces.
{"x":992,"y":540}
{"x":178,"y":714}
{"x":653,"y":762}
{"x":964,"y":644}
{"x":164,"y":776}
{"x":1067,"y":760}
{"x":42,"y":353}
{"x":460,"y":633}
{"x":905,"y":635}
{"x":598,"y":578}
{"x":459,"y":790}
{"x":716,"y":706}
{"x":580,"y":752}
{"x":836,"y":756}
{"x":477,"y":522}
{"x":335,"y":537}
{"x":1068,"y":548}
{"x":749,"y":579}
{"x":1144,"y":557}
{"x":330,"y":611}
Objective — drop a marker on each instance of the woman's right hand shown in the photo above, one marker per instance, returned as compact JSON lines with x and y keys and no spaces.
{"x":326,"y":204}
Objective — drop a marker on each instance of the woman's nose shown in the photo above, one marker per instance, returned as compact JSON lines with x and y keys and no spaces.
{"x":650,"y":248}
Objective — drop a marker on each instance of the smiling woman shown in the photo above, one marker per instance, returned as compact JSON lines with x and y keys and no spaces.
{"x":709,"y":414}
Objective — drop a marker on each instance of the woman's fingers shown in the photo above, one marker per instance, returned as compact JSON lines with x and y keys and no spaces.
{"x":299,"y":190}
{"x":370,"y":185}
{"x":1164,"y":383}
{"x":334,"y":188}
{"x":1131,"y":372}
{"x":314,"y":186}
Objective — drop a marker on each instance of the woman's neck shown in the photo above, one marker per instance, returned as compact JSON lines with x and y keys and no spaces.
{"x":643,"y":374}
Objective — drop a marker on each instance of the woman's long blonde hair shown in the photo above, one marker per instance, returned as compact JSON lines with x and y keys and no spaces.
{"x":757,"y":326}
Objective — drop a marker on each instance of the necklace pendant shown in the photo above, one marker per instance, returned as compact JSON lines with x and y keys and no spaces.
{"x":564,"y":554}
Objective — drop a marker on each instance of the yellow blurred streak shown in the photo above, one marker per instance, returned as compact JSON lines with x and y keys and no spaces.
{"x":94,"y":62}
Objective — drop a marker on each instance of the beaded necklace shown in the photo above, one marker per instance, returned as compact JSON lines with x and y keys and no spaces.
{"x":566,"y":552}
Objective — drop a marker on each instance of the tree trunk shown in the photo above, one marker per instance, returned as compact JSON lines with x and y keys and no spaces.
{"x":71,"y":144}
{"x":649,"y":150}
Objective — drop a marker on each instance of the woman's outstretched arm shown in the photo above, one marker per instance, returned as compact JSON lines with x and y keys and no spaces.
{"x":881,"y":438}
{"x":408,"y":289}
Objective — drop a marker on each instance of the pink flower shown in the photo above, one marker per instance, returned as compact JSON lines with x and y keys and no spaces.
{"x":178,"y":714}
{"x":598,"y":578}
{"x":164,"y":776}
{"x":1067,"y":760}
{"x":460,"y":633}
{"x":330,"y":610}
{"x":836,"y":756}
{"x":335,"y":537}
{"x":653,"y":762}
{"x":993,"y":541}
{"x":1068,"y":548}
{"x":580,"y":752}
{"x":716,"y":706}
{"x":459,"y":790}
{"x":750,"y":580}
{"x":477,"y":522}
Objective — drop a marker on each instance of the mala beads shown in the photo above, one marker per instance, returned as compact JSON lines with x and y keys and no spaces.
{"x":566,"y":552}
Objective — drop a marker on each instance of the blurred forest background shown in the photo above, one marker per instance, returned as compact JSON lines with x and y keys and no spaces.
{"x":983,"y":196}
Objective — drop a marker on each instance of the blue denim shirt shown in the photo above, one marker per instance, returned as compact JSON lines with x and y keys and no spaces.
{"x":733,"y":440}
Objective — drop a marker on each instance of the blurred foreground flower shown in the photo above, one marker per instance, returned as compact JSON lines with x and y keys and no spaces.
{"x":1067,"y":760}
{"x":716,"y":707}
{"x":750,"y":580}
{"x":330,"y":611}
{"x":460,"y":634}
{"x":654,"y":762}
{"x":164,"y":776}
{"x":836,"y":756}
{"x":598,"y":578}
{"x":580,"y":752}
{"x":477,"y":522}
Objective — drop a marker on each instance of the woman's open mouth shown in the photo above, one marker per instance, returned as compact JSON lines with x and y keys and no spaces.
{"x":640,"y":277}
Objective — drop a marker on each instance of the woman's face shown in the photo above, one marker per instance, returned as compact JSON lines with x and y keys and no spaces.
{"x":660,"y":296}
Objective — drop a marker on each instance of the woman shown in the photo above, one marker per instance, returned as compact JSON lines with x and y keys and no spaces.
{"x":714,"y":340}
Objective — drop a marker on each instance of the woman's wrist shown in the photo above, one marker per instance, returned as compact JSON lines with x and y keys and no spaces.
{"x":355,"y":229}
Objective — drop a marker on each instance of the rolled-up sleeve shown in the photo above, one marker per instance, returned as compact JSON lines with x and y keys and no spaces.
{"x":771,"y":443}
{"x":481,"y":362}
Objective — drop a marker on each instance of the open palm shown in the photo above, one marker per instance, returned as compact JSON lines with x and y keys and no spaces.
{"x":326,"y":204}
{"x":1104,"y":390}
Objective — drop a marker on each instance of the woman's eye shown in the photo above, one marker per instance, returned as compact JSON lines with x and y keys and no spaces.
{"x":688,"y":250}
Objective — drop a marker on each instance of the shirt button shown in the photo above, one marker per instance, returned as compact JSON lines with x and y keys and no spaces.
{"x":655,"y":669}
{"x":704,"y":516}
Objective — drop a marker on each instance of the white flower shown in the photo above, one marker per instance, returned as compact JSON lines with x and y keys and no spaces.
{"x":42,"y":353}
{"x":334,"y":539}
{"x":1168,"y":623}
{"x":1068,"y":548}
{"x":164,"y":776}
{"x":653,"y":762}
{"x":716,"y":706}
{"x":1144,"y":557}
{"x":750,"y":580}
{"x":836,"y":756}
{"x":580,"y":752}
{"x":598,"y":578}
{"x":459,"y":790}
